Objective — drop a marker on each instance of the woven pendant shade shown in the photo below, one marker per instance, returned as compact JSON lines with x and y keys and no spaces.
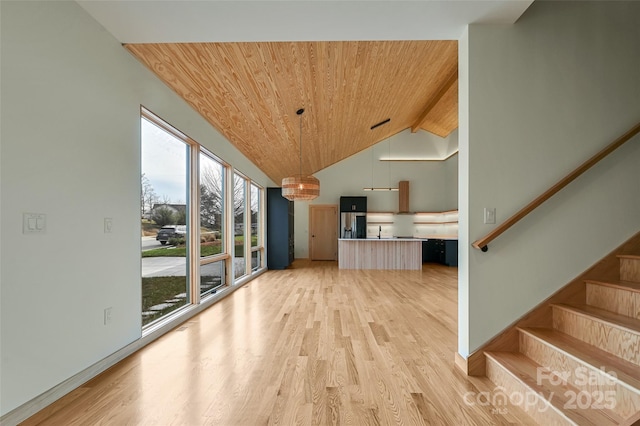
{"x":300,"y":187}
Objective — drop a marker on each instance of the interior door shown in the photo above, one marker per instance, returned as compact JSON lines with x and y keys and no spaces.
{"x":323,"y":232}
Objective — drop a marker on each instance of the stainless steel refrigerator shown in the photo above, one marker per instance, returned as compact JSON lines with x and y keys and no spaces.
{"x":353,"y":225}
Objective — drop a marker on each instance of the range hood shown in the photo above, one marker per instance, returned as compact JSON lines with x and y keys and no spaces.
{"x":403,"y":197}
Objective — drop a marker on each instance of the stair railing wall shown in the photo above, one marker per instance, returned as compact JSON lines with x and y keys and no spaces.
{"x":483,"y":243}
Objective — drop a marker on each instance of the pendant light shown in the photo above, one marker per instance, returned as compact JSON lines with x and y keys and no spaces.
{"x":300,"y":187}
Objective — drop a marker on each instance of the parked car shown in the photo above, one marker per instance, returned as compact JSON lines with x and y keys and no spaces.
{"x":171,"y":231}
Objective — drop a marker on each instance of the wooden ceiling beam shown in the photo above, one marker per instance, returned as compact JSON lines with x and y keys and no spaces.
{"x":453,"y":78}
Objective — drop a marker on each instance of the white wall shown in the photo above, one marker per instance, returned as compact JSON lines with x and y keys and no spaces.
{"x":463,"y":194}
{"x":429,"y":188}
{"x":70,"y":149}
{"x":451,"y":180}
{"x":537,"y":99}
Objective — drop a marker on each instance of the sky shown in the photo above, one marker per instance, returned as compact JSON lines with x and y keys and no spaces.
{"x":164,"y":163}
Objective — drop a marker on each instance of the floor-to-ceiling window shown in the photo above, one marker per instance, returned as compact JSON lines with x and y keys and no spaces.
{"x":256,"y":226}
{"x":165,"y":227}
{"x":200,"y":220}
{"x":239,"y":225}
{"x":213,"y":252}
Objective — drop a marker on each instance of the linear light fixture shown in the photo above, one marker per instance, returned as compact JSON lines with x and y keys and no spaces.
{"x":380,"y":189}
{"x":420,"y":159}
{"x":380,"y":123}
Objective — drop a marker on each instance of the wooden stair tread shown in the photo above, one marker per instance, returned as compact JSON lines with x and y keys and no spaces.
{"x":558,"y":397}
{"x":626,"y":372}
{"x":622,"y":285}
{"x":515,"y":415}
{"x":628,"y":256}
{"x":634,"y":420}
{"x":616,"y":320}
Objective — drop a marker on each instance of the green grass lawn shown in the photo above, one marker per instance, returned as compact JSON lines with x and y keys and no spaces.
{"x":205,"y":249}
{"x":157,"y":290}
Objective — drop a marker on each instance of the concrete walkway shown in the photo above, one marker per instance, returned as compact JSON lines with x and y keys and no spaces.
{"x":164,"y":266}
{"x":170,"y":266}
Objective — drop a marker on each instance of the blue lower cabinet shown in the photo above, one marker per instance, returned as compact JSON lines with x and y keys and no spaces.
{"x":444,"y":252}
{"x":451,"y":252}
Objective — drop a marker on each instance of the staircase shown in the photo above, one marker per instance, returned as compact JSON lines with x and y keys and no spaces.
{"x":585,"y":368}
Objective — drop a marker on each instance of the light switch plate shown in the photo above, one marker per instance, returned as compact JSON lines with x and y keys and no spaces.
{"x":489,"y":215}
{"x":34,"y":223}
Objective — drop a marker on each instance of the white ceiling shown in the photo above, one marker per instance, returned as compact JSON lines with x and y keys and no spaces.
{"x":183,"y":21}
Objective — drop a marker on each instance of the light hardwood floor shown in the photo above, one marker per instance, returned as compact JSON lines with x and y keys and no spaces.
{"x":308,"y":345}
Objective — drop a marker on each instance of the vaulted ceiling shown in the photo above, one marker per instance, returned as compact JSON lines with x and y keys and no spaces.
{"x":247,"y":66}
{"x":250,"y":93}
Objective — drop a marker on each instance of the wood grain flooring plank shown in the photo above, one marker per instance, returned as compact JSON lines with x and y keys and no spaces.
{"x":310,"y":345}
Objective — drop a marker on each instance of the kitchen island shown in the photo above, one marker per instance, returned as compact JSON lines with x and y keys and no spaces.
{"x":383,"y":253}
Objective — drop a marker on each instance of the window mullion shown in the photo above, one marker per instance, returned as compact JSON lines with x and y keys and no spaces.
{"x":194,"y":222}
{"x":229,"y":224}
{"x":263,"y":226}
{"x":247,"y":226}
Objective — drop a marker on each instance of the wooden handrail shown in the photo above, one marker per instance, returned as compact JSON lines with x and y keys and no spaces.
{"x":482,"y":243}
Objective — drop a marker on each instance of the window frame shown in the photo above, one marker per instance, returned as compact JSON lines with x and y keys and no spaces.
{"x":224,"y":255}
{"x":259,"y":247}
{"x":189,"y":264}
{"x":246,"y":231}
{"x":194,"y":259}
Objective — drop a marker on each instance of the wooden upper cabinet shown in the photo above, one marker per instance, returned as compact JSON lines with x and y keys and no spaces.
{"x":403,"y":196}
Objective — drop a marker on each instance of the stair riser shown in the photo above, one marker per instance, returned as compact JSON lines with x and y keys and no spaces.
{"x":630,"y":269}
{"x":622,"y":343}
{"x":590,"y":380}
{"x":533,"y":404}
{"x":612,"y":299}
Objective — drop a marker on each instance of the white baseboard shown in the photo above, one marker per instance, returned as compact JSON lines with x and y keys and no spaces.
{"x":45,"y":399}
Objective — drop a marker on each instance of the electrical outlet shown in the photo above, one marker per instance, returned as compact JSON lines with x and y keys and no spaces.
{"x":108,"y":225}
{"x":489,"y":215}
{"x":107,"y":315}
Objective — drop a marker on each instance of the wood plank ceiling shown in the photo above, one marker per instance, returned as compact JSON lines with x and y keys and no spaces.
{"x":250,"y":93}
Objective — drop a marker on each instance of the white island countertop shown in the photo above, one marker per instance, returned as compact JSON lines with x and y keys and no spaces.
{"x":421,"y":238}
